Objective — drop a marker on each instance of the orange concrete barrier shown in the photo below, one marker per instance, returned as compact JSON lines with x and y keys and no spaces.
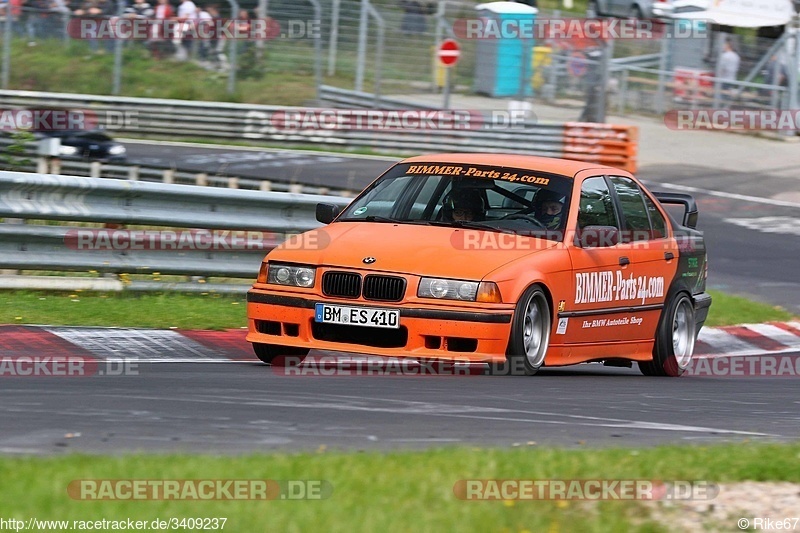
{"x":606,"y":144}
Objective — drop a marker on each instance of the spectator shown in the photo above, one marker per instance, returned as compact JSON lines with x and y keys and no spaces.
{"x":243,"y":26}
{"x":775,"y":72}
{"x":187,"y":15}
{"x":16,"y":10}
{"x":414,"y":18}
{"x":140,"y":10}
{"x":97,"y":9}
{"x":205,"y":17}
{"x":160,"y":46}
{"x":728,"y":67}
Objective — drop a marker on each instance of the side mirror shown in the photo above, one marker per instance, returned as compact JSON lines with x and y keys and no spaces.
{"x":326,"y":213}
{"x":598,"y":237}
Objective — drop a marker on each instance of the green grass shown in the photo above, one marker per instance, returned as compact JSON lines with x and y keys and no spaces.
{"x":400,"y":491}
{"x":74,"y":68}
{"x":729,"y":309}
{"x":216,"y":311}
{"x":163,"y":310}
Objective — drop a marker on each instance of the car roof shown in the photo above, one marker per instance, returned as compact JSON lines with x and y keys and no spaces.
{"x":564,"y":167}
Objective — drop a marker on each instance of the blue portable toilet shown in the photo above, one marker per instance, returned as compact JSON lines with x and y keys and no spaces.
{"x":504,"y":54}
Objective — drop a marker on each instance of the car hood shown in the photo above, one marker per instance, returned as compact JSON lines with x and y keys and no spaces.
{"x":409,"y":248}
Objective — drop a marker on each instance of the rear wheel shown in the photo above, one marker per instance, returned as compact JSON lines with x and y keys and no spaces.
{"x":674,"y":346}
{"x":275,"y":353}
{"x":530,"y":335}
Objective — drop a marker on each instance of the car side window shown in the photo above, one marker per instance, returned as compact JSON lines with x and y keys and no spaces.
{"x":634,"y":212}
{"x":656,"y":219}
{"x":597,"y":207}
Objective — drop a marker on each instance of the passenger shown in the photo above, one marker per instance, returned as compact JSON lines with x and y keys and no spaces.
{"x":464,"y":205}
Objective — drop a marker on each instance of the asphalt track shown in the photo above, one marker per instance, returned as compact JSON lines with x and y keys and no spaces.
{"x":352,"y":172}
{"x":236,"y":407}
{"x":242,"y":407}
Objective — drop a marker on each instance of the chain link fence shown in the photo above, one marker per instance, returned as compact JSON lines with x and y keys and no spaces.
{"x":388,"y":48}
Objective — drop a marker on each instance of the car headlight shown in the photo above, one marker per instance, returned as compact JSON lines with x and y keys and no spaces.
{"x":447,"y":289}
{"x":67,"y":150}
{"x":117,"y":149}
{"x":292,"y":275}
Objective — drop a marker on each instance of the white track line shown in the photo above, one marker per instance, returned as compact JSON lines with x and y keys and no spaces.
{"x":722,"y":194}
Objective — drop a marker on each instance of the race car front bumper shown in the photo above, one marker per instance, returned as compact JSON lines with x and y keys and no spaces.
{"x":424,"y":332}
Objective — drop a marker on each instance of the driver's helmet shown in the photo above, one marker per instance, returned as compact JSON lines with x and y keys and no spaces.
{"x":464,"y":204}
{"x":548,"y":208}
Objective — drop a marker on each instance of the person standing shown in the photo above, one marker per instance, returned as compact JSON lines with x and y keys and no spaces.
{"x":728,"y":67}
{"x":187,"y":15}
{"x":158,"y":39}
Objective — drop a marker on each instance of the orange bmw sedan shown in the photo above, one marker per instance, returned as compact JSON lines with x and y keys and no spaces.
{"x":516,"y":261}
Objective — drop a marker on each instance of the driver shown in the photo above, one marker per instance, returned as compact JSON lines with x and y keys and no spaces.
{"x":548,"y":207}
{"x":464,"y":205}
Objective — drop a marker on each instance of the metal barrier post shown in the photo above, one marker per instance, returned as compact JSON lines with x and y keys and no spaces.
{"x":605,"y":65}
{"x":378,"y":53}
{"x":362,"y":45}
{"x":317,"y":49}
{"x":7,"y":47}
{"x":232,"y":50}
{"x":115,"y":87}
{"x":663,"y":63}
{"x":334,"y":38}
{"x":794,"y":57}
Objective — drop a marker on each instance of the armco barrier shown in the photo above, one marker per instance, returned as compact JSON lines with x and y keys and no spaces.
{"x":80,"y":199}
{"x":257,"y":123}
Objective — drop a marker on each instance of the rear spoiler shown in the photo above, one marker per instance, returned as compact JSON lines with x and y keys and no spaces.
{"x":686,"y":200}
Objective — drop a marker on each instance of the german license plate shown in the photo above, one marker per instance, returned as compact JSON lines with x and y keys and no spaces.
{"x":357,"y":316}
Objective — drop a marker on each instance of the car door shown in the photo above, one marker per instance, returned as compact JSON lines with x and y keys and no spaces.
{"x":619,"y":284}
{"x":595,"y":265}
{"x":652,"y":255}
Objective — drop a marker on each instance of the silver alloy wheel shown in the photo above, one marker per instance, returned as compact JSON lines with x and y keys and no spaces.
{"x":683,"y":333}
{"x":536,"y":330}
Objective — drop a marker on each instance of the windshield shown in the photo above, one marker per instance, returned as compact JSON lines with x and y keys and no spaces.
{"x":504,"y":199}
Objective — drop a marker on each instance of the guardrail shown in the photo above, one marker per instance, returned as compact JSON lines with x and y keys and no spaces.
{"x":188,"y":119}
{"x":262,"y":218}
{"x":161,"y":174}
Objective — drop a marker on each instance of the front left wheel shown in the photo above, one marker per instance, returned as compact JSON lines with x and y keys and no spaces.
{"x":275,"y":353}
{"x":530,"y":335}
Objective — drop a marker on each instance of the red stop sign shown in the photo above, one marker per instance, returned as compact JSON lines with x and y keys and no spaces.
{"x":448,"y":52}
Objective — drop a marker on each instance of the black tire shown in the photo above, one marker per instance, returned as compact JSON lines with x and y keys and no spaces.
{"x":530,"y":336}
{"x":275,"y":353}
{"x":675,"y":338}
